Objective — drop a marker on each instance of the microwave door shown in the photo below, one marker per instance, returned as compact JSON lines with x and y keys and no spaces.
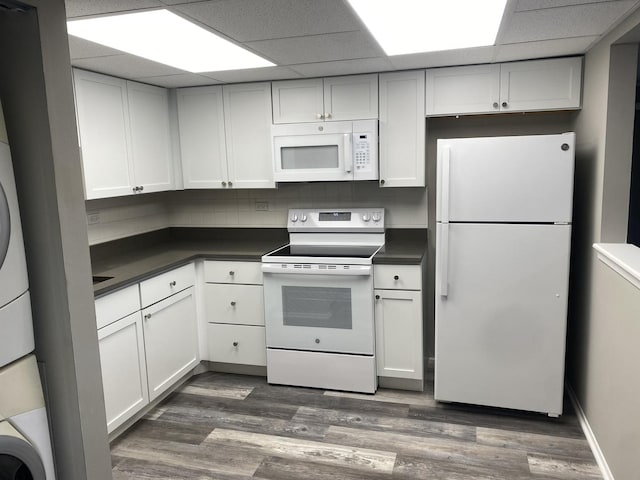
{"x":308,"y":158}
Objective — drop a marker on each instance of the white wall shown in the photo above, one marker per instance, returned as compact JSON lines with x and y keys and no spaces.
{"x":126,"y":216}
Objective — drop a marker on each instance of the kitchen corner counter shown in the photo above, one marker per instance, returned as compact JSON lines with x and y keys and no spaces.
{"x":403,"y":247}
{"x":136,"y":258}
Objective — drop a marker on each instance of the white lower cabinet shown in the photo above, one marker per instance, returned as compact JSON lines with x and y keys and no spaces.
{"x":234,"y":308}
{"x":124,"y":371}
{"x":399,"y":317}
{"x":171,"y":340}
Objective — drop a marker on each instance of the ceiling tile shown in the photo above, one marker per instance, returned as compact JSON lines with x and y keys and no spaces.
{"x":253,"y":74}
{"x":126,"y":66}
{"x":463,"y":56}
{"x":544,"y":48}
{"x":81,"y":8}
{"x":343,"y":67}
{"x":318,"y":48}
{"x":81,"y":48}
{"x":249,"y":20}
{"x":525,"y":5}
{"x":175,"y":81}
{"x":563,"y":22}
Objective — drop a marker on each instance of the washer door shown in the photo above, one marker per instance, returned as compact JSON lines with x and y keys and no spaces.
{"x":18,"y":459}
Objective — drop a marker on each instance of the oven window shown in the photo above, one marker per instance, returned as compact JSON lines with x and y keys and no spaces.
{"x":323,"y":307}
{"x":321,"y":156}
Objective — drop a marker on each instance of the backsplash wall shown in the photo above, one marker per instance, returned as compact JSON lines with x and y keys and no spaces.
{"x":125,"y":216}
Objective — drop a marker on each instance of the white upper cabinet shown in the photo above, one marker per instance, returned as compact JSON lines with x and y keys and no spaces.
{"x":402,"y":129}
{"x":225,"y":136}
{"x":537,"y":85}
{"x":247,"y":124}
{"x":202,"y":139}
{"x":352,"y":97}
{"x":463,"y":90}
{"x":150,"y":137}
{"x":105,"y":142}
{"x":541,"y":85}
{"x":125,"y":136}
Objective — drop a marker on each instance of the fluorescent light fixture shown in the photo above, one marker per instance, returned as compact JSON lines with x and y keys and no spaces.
{"x":167,"y":38}
{"x":413,"y":26}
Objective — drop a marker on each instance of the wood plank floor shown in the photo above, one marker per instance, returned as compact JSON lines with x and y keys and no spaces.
{"x":234,"y":427}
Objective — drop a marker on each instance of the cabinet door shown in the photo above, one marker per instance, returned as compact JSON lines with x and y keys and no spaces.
{"x":150,"y":137}
{"x":541,"y":85}
{"x":462,"y":90}
{"x":234,"y":304}
{"x":103,"y":124}
{"x":171,"y":340}
{"x":398,"y":315}
{"x":124,"y":372}
{"x":351,"y":98}
{"x":402,"y":129}
{"x":298,"y":101}
{"x":247,"y":123}
{"x":202,"y":141}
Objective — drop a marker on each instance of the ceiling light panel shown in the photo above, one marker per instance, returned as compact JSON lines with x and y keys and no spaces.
{"x":166,"y":38}
{"x":414,"y":26}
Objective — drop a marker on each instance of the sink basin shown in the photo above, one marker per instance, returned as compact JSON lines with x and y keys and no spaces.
{"x":99,"y":279}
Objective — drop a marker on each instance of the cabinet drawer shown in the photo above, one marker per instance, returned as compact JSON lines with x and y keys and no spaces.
{"x":239,"y":344}
{"x":166,"y":284}
{"x":235,"y":304}
{"x":117,"y":305}
{"x":397,"y":277}
{"x":233,"y":272}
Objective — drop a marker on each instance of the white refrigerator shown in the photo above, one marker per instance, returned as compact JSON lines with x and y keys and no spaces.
{"x":503,"y":233}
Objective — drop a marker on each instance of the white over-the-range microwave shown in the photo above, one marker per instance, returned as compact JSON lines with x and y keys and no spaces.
{"x":325,"y":151}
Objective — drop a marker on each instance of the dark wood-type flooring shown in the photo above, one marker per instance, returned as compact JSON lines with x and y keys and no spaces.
{"x":234,"y":427}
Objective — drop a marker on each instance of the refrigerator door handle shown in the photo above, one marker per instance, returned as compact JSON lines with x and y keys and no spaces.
{"x":444,"y":259}
{"x":444,"y":194}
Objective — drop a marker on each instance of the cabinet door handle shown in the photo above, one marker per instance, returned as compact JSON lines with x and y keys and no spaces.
{"x":505,"y":104}
{"x":496,"y":104}
{"x":141,"y":187}
{"x":224,"y":184}
{"x":147,"y":316}
{"x":172,"y":284}
{"x":233,"y":304}
{"x":381,"y":182}
{"x":230,"y":184}
{"x":328,"y":115}
{"x":232,"y":273}
{"x":396,"y":277}
{"x":377,"y":297}
{"x":319,"y":116}
{"x":235,"y":344}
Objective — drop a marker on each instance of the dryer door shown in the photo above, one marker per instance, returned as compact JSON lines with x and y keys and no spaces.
{"x":13,"y":268}
{"x":18,"y":458}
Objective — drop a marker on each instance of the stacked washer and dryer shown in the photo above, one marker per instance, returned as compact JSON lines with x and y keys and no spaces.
{"x":25,"y":445}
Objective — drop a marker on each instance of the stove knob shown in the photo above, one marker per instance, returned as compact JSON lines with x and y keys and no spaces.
{"x":366,"y":217}
{"x":294,"y":218}
{"x":376,"y":217}
{"x":303,"y":218}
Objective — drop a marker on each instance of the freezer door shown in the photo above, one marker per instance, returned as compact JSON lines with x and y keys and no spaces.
{"x":506,"y":179}
{"x":501,"y":321}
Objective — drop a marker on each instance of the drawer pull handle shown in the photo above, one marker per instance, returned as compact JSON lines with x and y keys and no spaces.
{"x":235,"y":344}
{"x":232,"y":273}
{"x":396,"y":277}
{"x":147,"y":316}
{"x":377,"y":297}
{"x":233,"y":304}
{"x":172,"y":284}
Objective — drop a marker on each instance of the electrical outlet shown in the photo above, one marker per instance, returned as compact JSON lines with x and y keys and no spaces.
{"x":262,"y":206}
{"x":93,"y":218}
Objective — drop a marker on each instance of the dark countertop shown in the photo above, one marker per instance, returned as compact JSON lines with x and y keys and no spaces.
{"x":133,"y":259}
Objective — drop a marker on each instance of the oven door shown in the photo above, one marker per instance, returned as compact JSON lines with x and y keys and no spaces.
{"x":323,"y":312}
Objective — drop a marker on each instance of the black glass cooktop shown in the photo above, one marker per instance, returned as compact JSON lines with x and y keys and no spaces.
{"x":324,"y":251}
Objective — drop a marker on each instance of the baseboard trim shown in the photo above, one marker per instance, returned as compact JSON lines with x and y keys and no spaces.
{"x":591,"y":438}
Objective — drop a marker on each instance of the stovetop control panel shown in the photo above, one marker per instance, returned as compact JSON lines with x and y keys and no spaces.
{"x":336,"y":220}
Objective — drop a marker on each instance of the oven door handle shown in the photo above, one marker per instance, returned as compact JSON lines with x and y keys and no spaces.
{"x":353,"y":270}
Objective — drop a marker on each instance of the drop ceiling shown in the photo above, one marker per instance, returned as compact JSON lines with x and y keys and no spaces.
{"x":312,"y":38}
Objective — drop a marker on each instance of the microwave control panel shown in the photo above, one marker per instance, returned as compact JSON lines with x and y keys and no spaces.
{"x":362,"y":152}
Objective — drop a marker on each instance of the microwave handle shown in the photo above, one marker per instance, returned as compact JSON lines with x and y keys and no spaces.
{"x":348,"y":154}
